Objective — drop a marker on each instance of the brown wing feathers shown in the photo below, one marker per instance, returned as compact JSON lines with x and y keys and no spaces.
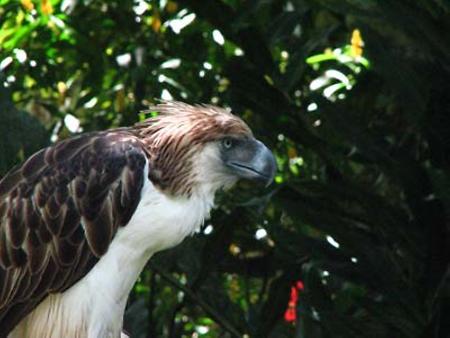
{"x":58,"y":214}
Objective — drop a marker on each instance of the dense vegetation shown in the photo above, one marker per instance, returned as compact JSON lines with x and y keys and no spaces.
{"x":352,"y":95}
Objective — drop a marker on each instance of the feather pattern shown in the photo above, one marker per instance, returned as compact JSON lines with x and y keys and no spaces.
{"x":59,"y":212}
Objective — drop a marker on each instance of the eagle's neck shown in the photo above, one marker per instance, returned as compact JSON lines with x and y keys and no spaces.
{"x":160,"y":222}
{"x":98,"y":300}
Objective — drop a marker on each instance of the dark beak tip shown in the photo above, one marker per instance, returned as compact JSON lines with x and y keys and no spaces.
{"x":271,"y":169}
{"x":267,"y":164}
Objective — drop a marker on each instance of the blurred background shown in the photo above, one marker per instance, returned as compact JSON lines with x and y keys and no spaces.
{"x":353,"y":96}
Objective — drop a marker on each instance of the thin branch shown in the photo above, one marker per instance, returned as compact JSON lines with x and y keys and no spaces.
{"x":173,"y":324}
{"x":205,"y":306}
{"x":151,"y":304}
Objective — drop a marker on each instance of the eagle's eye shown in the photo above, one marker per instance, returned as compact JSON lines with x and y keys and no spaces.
{"x":227,"y":143}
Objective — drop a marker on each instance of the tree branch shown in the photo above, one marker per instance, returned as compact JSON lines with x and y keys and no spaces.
{"x":223,"y":322}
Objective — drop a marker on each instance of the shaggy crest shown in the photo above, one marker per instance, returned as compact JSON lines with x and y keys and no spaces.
{"x":173,"y":137}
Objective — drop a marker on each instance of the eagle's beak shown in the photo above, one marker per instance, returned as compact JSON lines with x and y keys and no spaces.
{"x":251,"y":159}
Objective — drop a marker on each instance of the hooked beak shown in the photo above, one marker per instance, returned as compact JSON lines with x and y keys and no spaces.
{"x":251,"y":159}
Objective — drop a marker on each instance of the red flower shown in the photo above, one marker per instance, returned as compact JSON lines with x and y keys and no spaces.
{"x":290,"y":315}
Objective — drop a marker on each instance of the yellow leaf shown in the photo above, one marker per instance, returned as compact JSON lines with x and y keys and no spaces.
{"x":156,"y":22}
{"x":62,"y":89}
{"x":46,"y":7}
{"x":357,"y":43}
{"x":171,"y":7}
{"x":27,"y":4}
{"x":119,"y":102}
{"x":234,"y":249}
{"x":292,"y":152}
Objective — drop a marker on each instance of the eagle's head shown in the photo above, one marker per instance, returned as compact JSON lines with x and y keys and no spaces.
{"x":202,"y":148}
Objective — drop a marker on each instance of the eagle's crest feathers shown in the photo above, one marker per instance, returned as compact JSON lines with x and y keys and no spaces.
{"x":177,"y":134}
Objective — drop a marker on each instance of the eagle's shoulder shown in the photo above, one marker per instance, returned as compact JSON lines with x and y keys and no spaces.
{"x":59,"y":211}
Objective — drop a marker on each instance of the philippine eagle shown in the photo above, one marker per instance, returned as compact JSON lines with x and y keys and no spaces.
{"x":80,"y":219}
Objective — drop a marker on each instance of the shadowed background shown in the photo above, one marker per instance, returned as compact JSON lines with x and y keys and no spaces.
{"x":353,"y":96}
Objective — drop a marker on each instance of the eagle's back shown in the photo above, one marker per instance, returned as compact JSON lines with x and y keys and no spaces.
{"x":59,"y":212}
